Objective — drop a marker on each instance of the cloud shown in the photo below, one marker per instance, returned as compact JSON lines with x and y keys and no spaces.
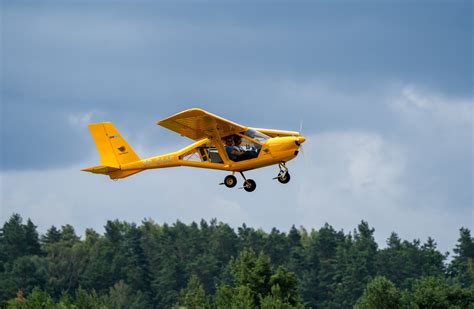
{"x":363,"y":176}
{"x":440,"y":110}
{"x":80,"y":120}
{"x":277,"y":65}
{"x":356,"y":176}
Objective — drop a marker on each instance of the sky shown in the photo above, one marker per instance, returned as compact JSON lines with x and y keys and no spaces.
{"x":384,"y":90}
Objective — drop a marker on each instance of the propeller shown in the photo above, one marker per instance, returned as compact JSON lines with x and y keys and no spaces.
{"x":301,"y":146}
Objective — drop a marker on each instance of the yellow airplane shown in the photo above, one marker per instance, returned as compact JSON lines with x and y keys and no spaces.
{"x":220,"y":144}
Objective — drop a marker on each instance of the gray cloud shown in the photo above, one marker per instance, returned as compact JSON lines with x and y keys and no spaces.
{"x":127,"y":62}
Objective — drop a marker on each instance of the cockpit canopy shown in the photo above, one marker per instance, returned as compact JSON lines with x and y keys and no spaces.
{"x":254,"y":134}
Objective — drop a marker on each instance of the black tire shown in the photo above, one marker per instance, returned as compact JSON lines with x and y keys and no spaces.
{"x":230,"y":181}
{"x":250,"y":185}
{"x":285,"y":178}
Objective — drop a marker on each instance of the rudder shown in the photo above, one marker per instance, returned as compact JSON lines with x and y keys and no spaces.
{"x":113,"y":149}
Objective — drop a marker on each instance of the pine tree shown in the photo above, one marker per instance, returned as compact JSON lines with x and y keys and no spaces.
{"x":13,"y":239}
{"x":277,"y":247}
{"x":353,"y":267}
{"x":136,"y":267}
{"x":390,"y":261}
{"x":32,"y":239}
{"x":192,"y":296}
{"x":433,"y":260}
{"x":462,"y":265}
{"x":53,"y":235}
{"x":254,"y":272}
{"x":319,"y":280}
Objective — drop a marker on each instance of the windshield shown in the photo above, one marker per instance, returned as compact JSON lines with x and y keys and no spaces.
{"x":254,"y":134}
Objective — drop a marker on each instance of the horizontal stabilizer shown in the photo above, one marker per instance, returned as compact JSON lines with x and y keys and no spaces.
{"x":100,"y":169}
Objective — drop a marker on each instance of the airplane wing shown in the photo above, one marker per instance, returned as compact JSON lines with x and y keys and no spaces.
{"x":196,"y":124}
{"x":277,"y":133}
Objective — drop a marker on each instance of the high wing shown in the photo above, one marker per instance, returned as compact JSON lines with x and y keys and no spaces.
{"x":277,"y":133}
{"x":196,"y":124}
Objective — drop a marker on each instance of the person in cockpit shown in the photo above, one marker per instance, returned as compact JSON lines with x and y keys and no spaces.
{"x":236,"y":152}
{"x":247,"y":154}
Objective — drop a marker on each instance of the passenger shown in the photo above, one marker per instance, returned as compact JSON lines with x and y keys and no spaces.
{"x":232,"y":151}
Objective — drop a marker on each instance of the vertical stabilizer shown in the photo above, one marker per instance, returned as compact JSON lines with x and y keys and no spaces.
{"x":114,"y":150}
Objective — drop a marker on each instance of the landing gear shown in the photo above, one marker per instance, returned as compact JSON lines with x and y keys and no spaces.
{"x":249,"y":184}
{"x":230,"y":181}
{"x":283,"y":175}
{"x":284,"y":178}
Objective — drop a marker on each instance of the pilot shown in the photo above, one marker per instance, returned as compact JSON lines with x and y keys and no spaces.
{"x":247,"y":154}
{"x":233,"y":152}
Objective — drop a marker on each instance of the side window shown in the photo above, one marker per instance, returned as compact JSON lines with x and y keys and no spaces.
{"x":210,"y":154}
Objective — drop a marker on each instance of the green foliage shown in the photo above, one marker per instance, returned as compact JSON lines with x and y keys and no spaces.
{"x":253,"y":272}
{"x":462,"y":266}
{"x":401,"y":262}
{"x":210,"y":265}
{"x":436,"y":292}
{"x":66,"y":261}
{"x":256,"y":281}
{"x":355,"y":266}
{"x":52,"y":236}
{"x":284,"y":286}
{"x":243,"y":298}
{"x":379,"y":293}
{"x":83,"y":299}
{"x":224,"y":296}
{"x":319,"y":278}
{"x":193,"y":296}
{"x":37,"y":299}
{"x":18,"y":239}
{"x":277,"y":301}
{"x":122,"y":296}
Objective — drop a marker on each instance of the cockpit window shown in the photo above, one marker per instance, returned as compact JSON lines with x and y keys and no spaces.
{"x":260,"y":137}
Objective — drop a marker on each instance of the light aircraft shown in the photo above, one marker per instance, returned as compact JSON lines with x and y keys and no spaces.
{"x":215,"y":147}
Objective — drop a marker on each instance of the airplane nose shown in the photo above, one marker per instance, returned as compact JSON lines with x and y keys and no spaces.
{"x":299,"y":140}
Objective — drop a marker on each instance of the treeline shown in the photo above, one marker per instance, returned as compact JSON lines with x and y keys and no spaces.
{"x":211,"y":265}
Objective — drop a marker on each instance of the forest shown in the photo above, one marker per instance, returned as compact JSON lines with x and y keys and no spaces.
{"x":212,"y":265}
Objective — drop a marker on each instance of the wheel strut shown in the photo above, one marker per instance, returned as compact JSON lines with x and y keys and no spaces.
{"x":283,"y":176}
{"x":249,"y":184}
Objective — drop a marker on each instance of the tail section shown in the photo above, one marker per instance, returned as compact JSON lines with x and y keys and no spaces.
{"x":114,"y":151}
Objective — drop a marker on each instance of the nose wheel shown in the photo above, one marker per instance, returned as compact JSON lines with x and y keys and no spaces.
{"x":283,"y":175}
{"x":284,"y":178}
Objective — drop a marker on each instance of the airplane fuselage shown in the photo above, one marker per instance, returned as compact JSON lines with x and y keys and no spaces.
{"x":273,"y":151}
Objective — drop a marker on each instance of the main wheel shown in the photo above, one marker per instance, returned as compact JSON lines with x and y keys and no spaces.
{"x":250,"y":185}
{"x":284,"y":178}
{"x":230,"y":181}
